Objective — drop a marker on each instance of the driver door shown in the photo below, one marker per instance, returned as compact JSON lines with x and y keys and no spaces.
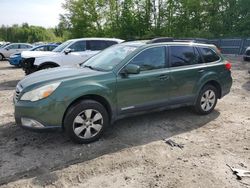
{"x":149,"y":88}
{"x":76,"y":54}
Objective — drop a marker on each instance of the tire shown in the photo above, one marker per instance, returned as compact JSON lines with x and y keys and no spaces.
{"x":206,"y":100}
{"x":86,"y":121}
{"x":28,"y":71}
{"x":1,"y":57}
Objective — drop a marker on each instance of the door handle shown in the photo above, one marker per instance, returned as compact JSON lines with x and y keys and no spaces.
{"x":164,"y":77}
{"x":201,"y":70}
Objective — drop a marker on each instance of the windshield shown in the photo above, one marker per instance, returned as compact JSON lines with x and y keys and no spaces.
{"x":109,"y":58}
{"x":62,"y":46}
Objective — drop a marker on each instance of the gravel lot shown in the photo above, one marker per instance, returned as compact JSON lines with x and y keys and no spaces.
{"x":132,"y":152}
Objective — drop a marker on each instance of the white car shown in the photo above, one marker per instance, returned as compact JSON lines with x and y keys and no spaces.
{"x":13,"y":48}
{"x":69,"y":53}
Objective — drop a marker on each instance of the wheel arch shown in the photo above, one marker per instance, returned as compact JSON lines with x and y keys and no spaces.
{"x":48,"y":63}
{"x":93,"y":97}
{"x":216,"y":84}
{"x":2,"y":55}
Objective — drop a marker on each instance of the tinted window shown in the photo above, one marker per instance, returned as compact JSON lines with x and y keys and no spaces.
{"x":153,"y":58}
{"x":248,"y":52}
{"x":184,"y":55}
{"x":78,"y":46}
{"x":209,"y":55}
{"x":96,"y":45}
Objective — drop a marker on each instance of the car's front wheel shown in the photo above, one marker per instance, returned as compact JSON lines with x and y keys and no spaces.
{"x":86,"y":121}
{"x":206,"y":100}
{"x":1,"y":57}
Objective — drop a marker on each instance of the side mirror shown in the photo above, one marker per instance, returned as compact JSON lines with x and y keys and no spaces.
{"x":7,"y":49}
{"x":131,"y":69}
{"x":67,"y":51}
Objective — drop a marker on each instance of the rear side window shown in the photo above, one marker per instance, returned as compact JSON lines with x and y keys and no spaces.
{"x":96,"y":45}
{"x":110,"y":43}
{"x":50,"y":48}
{"x":24,"y":46}
{"x":150,"y":59}
{"x":183,"y":55}
{"x":209,"y":55}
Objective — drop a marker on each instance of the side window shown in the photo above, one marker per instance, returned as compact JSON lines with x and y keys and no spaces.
{"x":13,"y":46}
{"x":50,"y":48}
{"x":110,"y":43}
{"x":197,"y":54}
{"x":96,"y":45}
{"x":43,"y":48}
{"x":24,"y":46}
{"x":78,"y":46}
{"x":150,"y":59}
{"x":209,"y":55}
{"x":183,"y":55}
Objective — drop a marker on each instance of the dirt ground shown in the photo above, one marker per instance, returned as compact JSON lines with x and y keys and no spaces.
{"x":132,"y":153}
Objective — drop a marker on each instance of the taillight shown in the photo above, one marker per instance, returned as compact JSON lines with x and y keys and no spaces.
{"x":228,"y":65}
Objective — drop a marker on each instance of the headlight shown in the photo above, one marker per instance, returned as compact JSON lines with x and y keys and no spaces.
{"x":40,"y":93}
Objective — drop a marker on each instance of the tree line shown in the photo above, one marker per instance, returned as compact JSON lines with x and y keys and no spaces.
{"x":143,"y":19}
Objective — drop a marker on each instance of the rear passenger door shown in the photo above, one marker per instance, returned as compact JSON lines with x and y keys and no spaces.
{"x":187,"y":68}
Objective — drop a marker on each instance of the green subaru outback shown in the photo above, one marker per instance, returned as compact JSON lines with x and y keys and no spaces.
{"x":123,"y":80}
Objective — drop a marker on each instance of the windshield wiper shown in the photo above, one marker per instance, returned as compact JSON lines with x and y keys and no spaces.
{"x":93,"y":68}
{"x":88,"y":66}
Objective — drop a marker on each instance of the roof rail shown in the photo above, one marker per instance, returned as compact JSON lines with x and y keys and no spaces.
{"x":171,"y":39}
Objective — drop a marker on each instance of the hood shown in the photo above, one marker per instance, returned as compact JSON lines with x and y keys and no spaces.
{"x":29,"y":54}
{"x":56,"y":74}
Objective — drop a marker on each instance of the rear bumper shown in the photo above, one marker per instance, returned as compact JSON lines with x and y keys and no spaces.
{"x":226,"y":87}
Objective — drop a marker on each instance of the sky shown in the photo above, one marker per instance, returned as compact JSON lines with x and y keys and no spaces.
{"x":34,"y":12}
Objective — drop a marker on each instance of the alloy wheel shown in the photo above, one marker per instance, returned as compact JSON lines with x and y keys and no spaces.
{"x":88,"y":123}
{"x":208,"y":100}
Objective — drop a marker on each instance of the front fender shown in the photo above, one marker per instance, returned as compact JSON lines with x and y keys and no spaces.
{"x":68,"y":93}
{"x":40,"y":61}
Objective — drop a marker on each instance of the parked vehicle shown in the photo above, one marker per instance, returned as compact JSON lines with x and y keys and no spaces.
{"x":70,"y":53}
{"x":246,"y":55}
{"x":4,"y":44}
{"x":16,"y":59}
{"x":123,"y":80}
{"x":12,"y":48}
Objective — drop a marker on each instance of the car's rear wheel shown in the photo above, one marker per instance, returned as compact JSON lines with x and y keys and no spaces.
{"x":86,"y":121}
{"x":206,"y":100}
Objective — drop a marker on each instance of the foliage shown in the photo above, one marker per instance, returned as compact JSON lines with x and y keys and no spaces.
{"x":26,"y":33}
{"x":132,"y":19}
{"x":140,"y":19}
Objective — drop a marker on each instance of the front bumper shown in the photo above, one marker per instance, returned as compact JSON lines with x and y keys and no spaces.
{"x":45,"y":114}
{"x":15,"y":61}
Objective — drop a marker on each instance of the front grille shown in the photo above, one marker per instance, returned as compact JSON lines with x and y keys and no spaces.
{"x":18,"y":91}
{"x":27,"y":63}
